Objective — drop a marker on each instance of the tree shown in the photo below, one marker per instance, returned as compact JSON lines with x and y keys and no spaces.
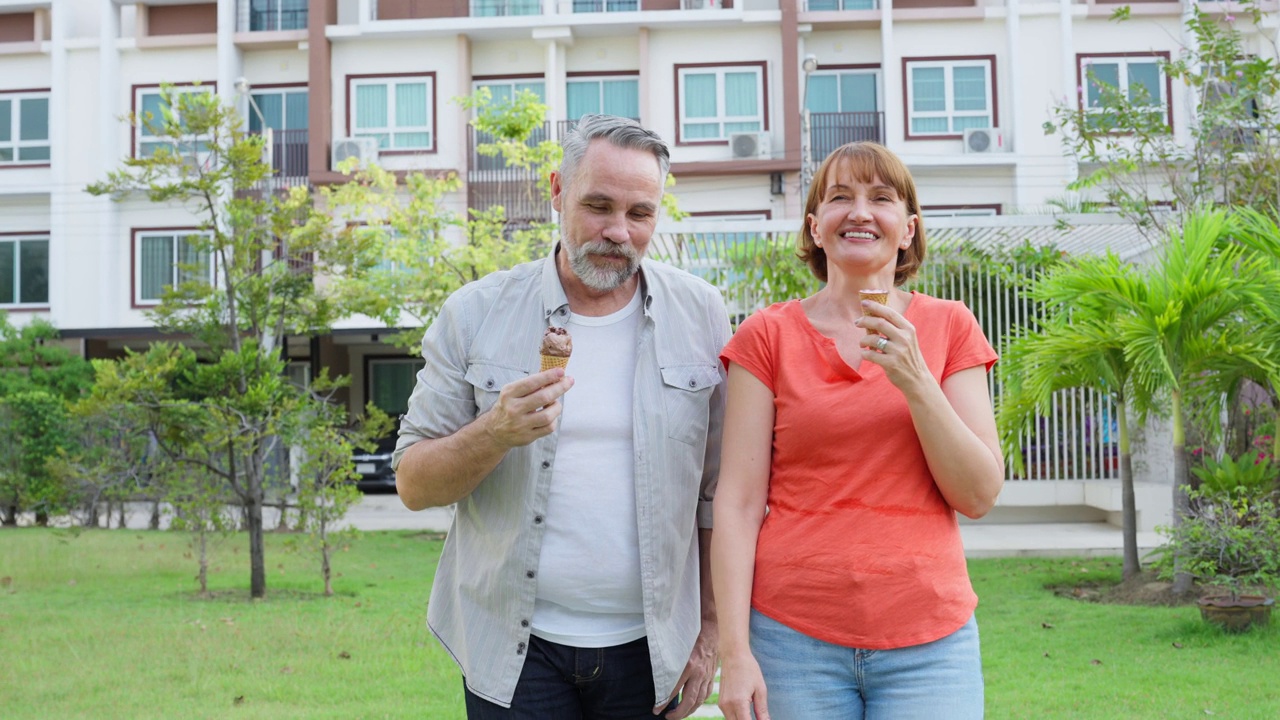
{"x":1128,"y":151}
{"x":247,"y":282}
{"x":1075,"y":345}
{"x":37,"y":378}
{"x":1183,"y":331}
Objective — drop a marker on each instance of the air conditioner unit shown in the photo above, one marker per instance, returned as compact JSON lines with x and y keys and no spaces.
{"x":363,"y":149}
{"x":750,"y":144}
{"x":984,"y":140}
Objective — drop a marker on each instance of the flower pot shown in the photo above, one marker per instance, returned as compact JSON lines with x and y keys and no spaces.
{"x":1236,"y":614}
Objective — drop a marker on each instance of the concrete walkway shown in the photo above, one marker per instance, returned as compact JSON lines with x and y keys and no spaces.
{"x":981,"y":538}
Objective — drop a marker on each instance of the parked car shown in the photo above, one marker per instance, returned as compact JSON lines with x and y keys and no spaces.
{"x":375,"y":467}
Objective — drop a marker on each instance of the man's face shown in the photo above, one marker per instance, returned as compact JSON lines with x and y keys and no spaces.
{"x":608,"y":214}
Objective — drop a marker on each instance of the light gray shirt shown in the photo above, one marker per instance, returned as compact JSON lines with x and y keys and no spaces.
{"x":487,"y":335}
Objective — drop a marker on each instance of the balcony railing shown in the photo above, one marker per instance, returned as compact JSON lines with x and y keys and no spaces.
{"x":289,"y":165}
{"x":491,"y":182}
{"x":275,"y":15}
{"x":500,"y":8}
{"x":827,"y":5}
{"x":828,"y":131}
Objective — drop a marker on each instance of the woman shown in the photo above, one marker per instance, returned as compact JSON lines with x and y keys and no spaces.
{"x":863,"y":428}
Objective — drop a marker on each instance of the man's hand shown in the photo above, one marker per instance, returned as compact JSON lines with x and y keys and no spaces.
{"x":527,"y":409}
{"x":695,"y":683}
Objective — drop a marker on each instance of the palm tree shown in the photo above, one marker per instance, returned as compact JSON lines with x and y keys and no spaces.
{"x":1074,"y":346}
{"x":1183,"y":330}
{"x":1259,"y":232}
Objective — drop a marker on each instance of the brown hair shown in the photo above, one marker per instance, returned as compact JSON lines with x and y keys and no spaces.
{"x":865,"y":161}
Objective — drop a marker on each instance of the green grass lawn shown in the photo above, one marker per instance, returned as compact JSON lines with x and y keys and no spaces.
{"x":107,"y":625}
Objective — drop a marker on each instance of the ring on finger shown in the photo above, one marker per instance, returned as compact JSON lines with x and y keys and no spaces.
{"x":882,"y":343}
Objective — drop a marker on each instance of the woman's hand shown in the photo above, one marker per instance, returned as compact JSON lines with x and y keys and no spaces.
{"x":742,"y":688}
{"x":899,"y":352}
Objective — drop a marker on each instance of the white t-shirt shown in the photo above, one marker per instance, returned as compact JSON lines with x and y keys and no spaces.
{"x":589,"y":571}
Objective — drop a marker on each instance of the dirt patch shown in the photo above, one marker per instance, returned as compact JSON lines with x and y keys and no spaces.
{"x":1143,"y":589}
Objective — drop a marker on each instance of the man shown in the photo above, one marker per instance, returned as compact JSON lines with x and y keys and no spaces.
{"x":575,"y":582}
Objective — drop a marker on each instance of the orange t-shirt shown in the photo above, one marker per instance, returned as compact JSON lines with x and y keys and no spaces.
{"x":859,"y":548}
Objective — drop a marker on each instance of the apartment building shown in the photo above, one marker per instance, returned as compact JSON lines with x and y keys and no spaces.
{"x":750,"y":94}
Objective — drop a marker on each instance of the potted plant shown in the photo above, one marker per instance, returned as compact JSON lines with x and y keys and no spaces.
{"x":1230,"y":543}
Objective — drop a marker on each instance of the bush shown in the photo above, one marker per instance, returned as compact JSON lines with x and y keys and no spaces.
{"x":1228,"y":540}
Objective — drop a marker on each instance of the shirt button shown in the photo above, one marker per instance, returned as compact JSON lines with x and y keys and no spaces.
{"x":520,"y":649}
{"x":529,"y":574}
{"x":693,"y":383}
{"x":546,"y":464}
{"x":537,"y":519}
{"x":488,"y":383}
{"x":524,"y":623}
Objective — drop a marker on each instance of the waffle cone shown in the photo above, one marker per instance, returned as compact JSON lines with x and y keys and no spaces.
{"x":553,"y":361}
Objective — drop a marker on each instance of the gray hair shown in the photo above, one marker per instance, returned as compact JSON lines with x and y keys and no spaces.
{"x":618,"y":131}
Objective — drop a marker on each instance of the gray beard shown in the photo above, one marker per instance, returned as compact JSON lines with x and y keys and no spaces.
{"x":598,"y":278}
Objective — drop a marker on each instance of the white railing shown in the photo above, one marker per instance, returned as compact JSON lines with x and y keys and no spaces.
{"x":1077,"y":439}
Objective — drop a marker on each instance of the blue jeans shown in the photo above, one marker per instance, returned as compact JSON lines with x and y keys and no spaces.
{"x":560,"y":682}
{"x":806,"y":678}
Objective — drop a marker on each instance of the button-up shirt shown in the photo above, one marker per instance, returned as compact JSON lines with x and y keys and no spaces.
{"x":488,"y":334}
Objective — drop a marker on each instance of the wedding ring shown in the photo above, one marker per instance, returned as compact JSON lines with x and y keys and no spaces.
{"x":882,"y":343}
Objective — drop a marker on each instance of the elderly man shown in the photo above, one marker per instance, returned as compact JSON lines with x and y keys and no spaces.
{"x":574,"y":582}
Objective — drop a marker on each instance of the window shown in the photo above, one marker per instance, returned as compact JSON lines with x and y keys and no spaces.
{"x":489,"y":8}
{"x":1139,"y":78}
{"x":277,"y":15}
{"x":503,"y":90}
{"x":24,"y":271}
{"x":150,"y":107}
{"x":169,"y":258}
{"x":398,"y":111}
{"x":843,"y":108}
{"x":945,"y":97}
{"x":816,"y":5}
{"x":24,"y":128}
{"x":390,"y":381}
{"x":580,"y":6}
{"x":716,"y":101}
{"x":609,"y":95}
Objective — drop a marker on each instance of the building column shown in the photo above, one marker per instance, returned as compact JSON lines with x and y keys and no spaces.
{"x":60,"y":203}
{"x":110,"y":298}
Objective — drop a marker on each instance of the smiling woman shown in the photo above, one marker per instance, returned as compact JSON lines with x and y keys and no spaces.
{"x":860,"y":549}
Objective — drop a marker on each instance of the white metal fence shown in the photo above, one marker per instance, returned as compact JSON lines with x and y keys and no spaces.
{"x":1077,"y":439}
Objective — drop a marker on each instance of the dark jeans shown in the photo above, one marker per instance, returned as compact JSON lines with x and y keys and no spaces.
{"x":560,"y":682}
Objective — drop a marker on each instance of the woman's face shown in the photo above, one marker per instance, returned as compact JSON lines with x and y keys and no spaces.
{"x":861,"y":225}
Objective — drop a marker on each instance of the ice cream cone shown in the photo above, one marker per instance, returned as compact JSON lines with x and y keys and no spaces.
{"x":880,"y":296}
{"x":552,"y":361}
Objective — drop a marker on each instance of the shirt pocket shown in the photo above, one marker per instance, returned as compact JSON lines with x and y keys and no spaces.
{"x":686,"y":393}
{"x":487,"y":380}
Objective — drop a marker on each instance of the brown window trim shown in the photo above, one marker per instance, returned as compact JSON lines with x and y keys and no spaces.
{"x":134,"y":303}
{"x":435,"y":110}
{"x":906,"y":93}
{"x":1168,"y":81}
{"x":768,"y":214}
{"x":966,"y":206}
{"x":764,"y":95}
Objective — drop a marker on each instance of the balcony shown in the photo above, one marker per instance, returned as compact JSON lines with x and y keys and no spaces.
{"x":289,"y":163}
{"x":273,"y":15}
{"x":837,"y":5}
{"x":518,"y":190}
{"x":830,"y":130}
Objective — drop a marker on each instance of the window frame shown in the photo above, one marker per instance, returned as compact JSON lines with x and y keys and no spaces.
{"x":138,"y":91}
{"x":872,"y":69}
{"x":719,"y":68}
{"x":135,"y":261}
{"x":958,"y":211}
{"x":1083,"y":59}
{"x":388,"y":80}
{"x":384,"y":359}
{"x":949,"y":63}
{"x":15,"y":142}
{"x":600,"y":78}
{"x":16,"y":238}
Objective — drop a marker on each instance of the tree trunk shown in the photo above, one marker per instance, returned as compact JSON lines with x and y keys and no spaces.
{"x":9,"y":515}
{"x":1129,"y":510}
{"x":324,"y":562}
{"x":154,"y":522}
{"x":257,"y":555}
{"x":94,"y":518}
{"x":120,"y":517}
{"x":42,"y":518}
{"x":1182,"y":580}
{"x":202,"y":543}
